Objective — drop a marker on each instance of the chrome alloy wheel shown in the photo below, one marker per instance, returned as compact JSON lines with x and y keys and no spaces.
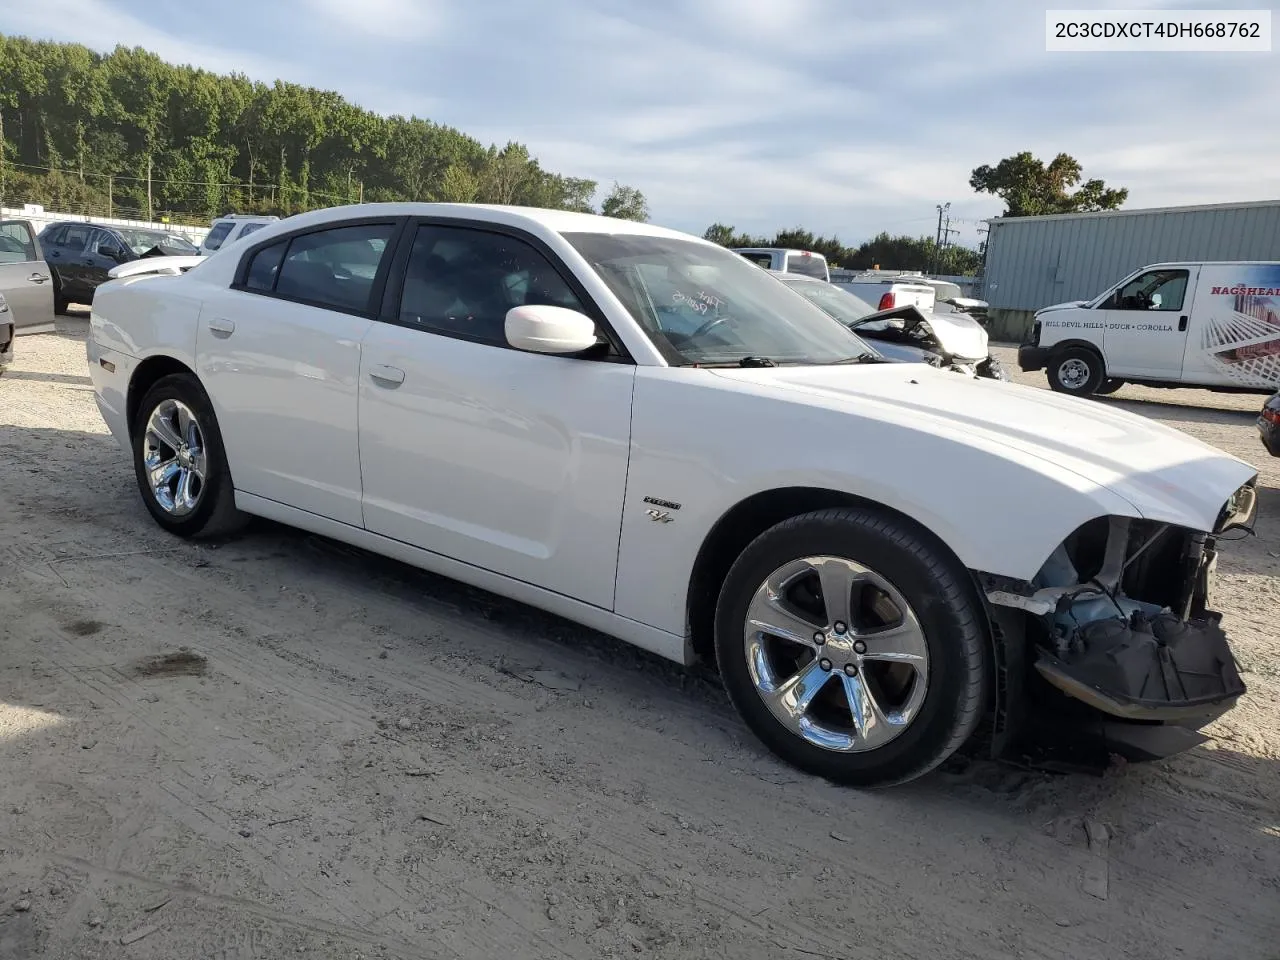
{"x":1074,"y":373}
{"x":173,"y":454}
{"x":836,"y":654}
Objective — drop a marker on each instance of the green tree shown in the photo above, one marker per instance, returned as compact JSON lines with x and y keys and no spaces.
{"x":1030,"y":188}
{"x":625,"y":203}
{"x":129,"y":132}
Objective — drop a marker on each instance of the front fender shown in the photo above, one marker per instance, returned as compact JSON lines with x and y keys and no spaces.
{"x":699,"y":451}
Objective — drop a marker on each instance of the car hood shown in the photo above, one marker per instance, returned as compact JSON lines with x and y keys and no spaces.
{"x":1166,"y":475}
{"x":1062,"y":306}
{"x":959,"y":335}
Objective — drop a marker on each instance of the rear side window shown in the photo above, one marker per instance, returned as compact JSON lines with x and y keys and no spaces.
{"x":16,"y":243}
{"x":76,"y":237}
{"x":219,"y":233}
{"x":333,"y":268}
{"x":250,"y":228}
{"x":810,"y":266}
{"x":264,"y":267}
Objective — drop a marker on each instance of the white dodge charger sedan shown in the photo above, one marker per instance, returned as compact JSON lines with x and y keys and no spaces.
{"x":645,"y":433}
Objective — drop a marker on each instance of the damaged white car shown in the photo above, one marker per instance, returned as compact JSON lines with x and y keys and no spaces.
{"x":645,"y":433}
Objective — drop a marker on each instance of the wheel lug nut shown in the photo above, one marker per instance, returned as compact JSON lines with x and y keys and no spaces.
{"x":850,"y":670}
{"x":819,"y":638}
{"x":824,"y":663}
{"x":840,"y":627}
{"x":859,"y":647}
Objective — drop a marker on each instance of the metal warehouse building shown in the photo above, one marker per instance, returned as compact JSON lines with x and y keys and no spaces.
{"x":1032,"y":262}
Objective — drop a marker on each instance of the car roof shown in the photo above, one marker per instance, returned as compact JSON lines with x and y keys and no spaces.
{"x":556,"y":221}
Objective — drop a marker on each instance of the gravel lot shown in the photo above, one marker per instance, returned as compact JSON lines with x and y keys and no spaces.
{"x":280,"y":747}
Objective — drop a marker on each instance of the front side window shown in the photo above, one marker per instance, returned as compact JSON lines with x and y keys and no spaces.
{"x":332,"y":268}
{"x":461,"y":282}
{"x":16,"y":243}
{"x":219,"y":233}
{"x":1155,"y":290}
{"x":709,"y":306}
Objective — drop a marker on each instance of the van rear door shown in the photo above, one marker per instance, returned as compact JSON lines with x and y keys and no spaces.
{"x":1235,"y":327}
{"x":1146,"y":323}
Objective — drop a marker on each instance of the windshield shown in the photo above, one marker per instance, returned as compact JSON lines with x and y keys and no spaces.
{"x":840,"y":304}
{"x":140,"y":241}
{"x":702,"y":304}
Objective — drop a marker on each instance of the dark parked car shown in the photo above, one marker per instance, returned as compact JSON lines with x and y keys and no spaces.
{"x":80,"y":254}
{"x":1269,"y":425}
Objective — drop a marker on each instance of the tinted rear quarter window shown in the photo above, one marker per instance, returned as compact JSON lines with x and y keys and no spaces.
{"x":250,"y":228}
{"x":264,"y":267}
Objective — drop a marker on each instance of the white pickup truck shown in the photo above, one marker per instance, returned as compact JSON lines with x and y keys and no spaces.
{"x":889,"y":291}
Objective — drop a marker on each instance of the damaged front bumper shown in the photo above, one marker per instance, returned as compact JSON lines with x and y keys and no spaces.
{"x":1114,"y":639}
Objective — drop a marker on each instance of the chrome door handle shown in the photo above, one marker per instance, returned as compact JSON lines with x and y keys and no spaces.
{"x":222,"y":328}
{"x":391,"y":376}
{"x":37,"y":278}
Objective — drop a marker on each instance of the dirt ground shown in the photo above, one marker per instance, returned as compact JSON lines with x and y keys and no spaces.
{"x":280,"y":747}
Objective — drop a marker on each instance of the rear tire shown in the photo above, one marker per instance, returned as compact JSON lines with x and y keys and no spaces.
{"x":1077,"y":370}
{"x":179,"y":461}
{"x":890,"y":692}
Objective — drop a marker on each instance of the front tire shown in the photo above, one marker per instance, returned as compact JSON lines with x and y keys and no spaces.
{"x":853,"y":646}
{"x":1077,"y":371}
{"x":1109,"y":386}
{"x":179,"y":461}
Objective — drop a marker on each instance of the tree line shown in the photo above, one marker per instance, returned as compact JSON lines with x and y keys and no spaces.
{"x":127,"y":131}
{"x":1028,"y":187}
{"x":882,"y":250}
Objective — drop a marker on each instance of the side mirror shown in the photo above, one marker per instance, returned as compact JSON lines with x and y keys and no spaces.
{"x":110,"y":251}
{"x":545,"y":329}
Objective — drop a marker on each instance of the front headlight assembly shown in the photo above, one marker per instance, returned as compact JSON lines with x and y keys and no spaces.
{"x":1240,"y":510}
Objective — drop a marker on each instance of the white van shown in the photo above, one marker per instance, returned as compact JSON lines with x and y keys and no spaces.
{"x":1211,"y":325}
{"x":804,"y":262}
{"x":227,"y":230}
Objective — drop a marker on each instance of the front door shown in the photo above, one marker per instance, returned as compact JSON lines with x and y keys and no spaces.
{"x":513,"y":462}
{"x":25,"y":279}
{"x":1146,"y":324}
{"x":279,"y":353}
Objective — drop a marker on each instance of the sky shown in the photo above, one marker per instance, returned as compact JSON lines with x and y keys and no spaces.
{"x":842,"y":116}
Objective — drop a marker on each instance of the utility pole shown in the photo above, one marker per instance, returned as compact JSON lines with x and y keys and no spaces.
{"x":150,"y":215}
{"x":110,"y":183}
{"x":937,"y":241}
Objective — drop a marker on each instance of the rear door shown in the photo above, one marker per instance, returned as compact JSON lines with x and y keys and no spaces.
{"x":1146,"y":323}
{"x":279,"y":353}
{"x":25,"y":279}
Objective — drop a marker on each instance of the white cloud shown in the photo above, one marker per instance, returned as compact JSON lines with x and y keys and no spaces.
{"x":399,"y":20}
{"x":834,"y":114}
